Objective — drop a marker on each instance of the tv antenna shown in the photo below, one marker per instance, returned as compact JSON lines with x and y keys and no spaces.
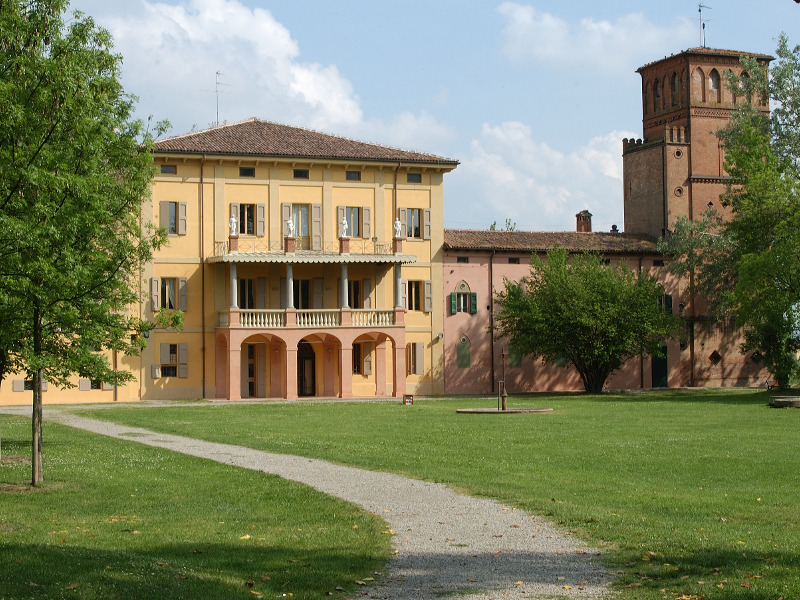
{"x":700,"y":8}
{"x":217,"y":92}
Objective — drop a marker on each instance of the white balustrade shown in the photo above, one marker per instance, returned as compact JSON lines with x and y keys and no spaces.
{"x":261,"y":319}
{"x":275,"y":319}
{"x":318,"y":318}
{"x":366,"y":317}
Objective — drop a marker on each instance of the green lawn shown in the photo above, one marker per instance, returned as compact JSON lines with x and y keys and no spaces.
{"x":118,"y":519}
{"x":694,"y":493}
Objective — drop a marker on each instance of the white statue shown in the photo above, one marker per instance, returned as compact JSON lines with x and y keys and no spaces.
{"x":397,"y":227}
{"x":290,"y":227}
{"x":344,"y":226}
{"x":232,"y":225}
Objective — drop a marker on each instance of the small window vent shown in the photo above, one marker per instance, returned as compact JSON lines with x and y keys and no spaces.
{"x":715,"y":358}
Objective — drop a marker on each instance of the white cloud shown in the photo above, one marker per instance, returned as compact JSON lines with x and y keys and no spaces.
{"x":511,"y":175}
{"x":629,"y":41}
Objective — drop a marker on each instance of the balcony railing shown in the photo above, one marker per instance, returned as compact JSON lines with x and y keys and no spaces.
{"x":313,"y":318}
{"x":303,"y":244}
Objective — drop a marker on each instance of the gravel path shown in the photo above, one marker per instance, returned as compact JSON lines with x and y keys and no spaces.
{"x":446,"y":543}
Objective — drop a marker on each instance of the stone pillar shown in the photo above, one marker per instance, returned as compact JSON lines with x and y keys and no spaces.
{"x":289,"y":286}
{"x":234,"y":286}
{"x":398,"y":293}
{"x":289,"y":245}
{"x":346,"y":370}
{"x":399,"y":374}
{"x":329,"y":368}
{"x":234,"y":371}
{"x":345,"y":299}
{"x":291,"y":372}
{"x":397,"y":247}
{"x":344,"y":245}
{"x":233,"y":243}
{"x":380,"y":368}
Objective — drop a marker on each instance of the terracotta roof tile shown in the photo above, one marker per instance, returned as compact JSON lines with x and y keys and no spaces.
{"x":265,"y":138}
{"x":541,"y":241}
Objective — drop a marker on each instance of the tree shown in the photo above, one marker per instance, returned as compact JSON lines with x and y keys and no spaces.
{"x":580,"y":309}
{"x":747,"y":266}
{"x":509,"y":226}
{"x":75,"y":170}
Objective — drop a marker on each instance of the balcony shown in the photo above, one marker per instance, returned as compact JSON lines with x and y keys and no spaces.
{"x":309,"y":318}
{"x":303,"y":245}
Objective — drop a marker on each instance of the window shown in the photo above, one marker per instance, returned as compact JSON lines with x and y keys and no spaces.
{"x":675,"y":89}
{"x":173,"y":217}
{"x":170,"y":368}
{"x":300,"y":219}
{"x":463,"y":301}
{"x":463,"y":352}
{"x":301,"y":173}
{"x":462,"y":259}
{"x":28,"y":385}
{"x":172,"y":226}
{"x":352,"y":175}
{"x":302,"y":293}
{"x":247,"y":216}
{"x":665,"y":302}
{"x":353,"y":216}
{"x":413,"y":177}
{"x":656,"y":96}
{"x":714,"y":91}
{"x":414,"y":293}
{"x":658,"y":263}
{"x":414,"y":219}
{"x":415,"y":358}
{"x":514,"y":260}
{"x":247,"y":294}
{"x":95,"y":384}
{"x":169,"y":170}
{"x":247,"y":171}
{"x":356,"y":359}
{"x":354,"y":293}
{"x":169,"y":287}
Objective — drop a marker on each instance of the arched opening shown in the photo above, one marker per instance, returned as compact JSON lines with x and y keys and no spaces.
{"x":463,"y":350}
{"x":646,"y":102}
{"x":714,"y":90}
{"x":656,"y":96}
{"x":462,"y":300}
{"x":745,"y":85}
{"x":675,"y":89}
{"x":698,"y":85}
{"x":306,"y":369}
{"x":665,"y":100}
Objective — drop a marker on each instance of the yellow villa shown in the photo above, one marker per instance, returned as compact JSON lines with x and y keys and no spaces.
{"x":306,"y":264}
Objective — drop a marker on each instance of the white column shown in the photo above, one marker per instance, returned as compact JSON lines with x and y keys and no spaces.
{"x":345,"y":299}
{"x":289,"y":286}
{"x":234,"y":287}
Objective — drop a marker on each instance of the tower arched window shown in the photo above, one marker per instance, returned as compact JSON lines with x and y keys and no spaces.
{"x":744,"y":86}
{"x":656,"y":96}
{"x":462,"y":300}
{"x":646,"y":100}
{"x":675,"y":89}
{"x":714,"y":90}
{"x":698,"y":85}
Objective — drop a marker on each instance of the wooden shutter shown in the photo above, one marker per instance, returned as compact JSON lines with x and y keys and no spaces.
{"x":235,"y":213}
{"x":339,"y":219}
{"x":261,"y":220}
{"x":427,"y":304}
{"x":183,"y":360}
{"x":473,"y":303}
{"x":44,"y":385}
{"x":426,"y":223}
{"x":155,"y":371}
{"x":366,"y":291}
{"x":182,"y":218}
{"x":261,"y":293}
{"x":164,"y":354}
{"x":183,"y":294}
{"x":419,"y":353}
{"x":366,"y":358}
{"x":155,"y":292}
{"x":286,"y":214}
{"x":18,"y":385}
{"x":453,"y":305}
{"x":318,"y":283}
{"x":163,"y":208}
{"x":402,"y":214}
{"x":283,"y":293}
{"x":316,"y":227}
{"x":84,"y":385}
{"x":366,"y":222}
{"x":107,"y":386}
{"x":404,"y":293}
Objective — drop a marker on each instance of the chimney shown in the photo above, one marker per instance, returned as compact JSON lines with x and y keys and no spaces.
{"x":584,"y":221}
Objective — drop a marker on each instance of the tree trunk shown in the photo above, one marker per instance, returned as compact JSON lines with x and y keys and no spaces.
{"x":37,"y":476}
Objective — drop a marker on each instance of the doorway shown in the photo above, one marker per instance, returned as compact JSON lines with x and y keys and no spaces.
{"x":660,"y":379}
{"x":306,"y":369}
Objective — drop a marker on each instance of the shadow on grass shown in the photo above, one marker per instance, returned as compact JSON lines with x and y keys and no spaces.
{"x":188,"y":570}
{"x":735,"y":396}
{"x":714,"y":573}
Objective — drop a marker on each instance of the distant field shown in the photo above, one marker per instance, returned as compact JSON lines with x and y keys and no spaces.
{"x":116,"y":519}
{"x":694,"y":493}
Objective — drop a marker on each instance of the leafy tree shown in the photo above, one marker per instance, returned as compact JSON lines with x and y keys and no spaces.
{"x":747,"y":265}
{"x":75,"y":169}
{"x":580,"y":309}
{"x":509,"y":226}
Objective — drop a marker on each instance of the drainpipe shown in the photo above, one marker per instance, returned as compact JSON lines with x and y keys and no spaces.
{"x":641,"y":355}
{"x":203,"y":272}
{"x":491,"y":314}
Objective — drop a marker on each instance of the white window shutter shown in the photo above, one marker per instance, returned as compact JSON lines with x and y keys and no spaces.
{"x":316,"y":226}
{"x":44,"y":385}
{"x":426,"y":223}
{"x":183,"y":360}
{"x":183,"y":294}
{"x":261,"y":219}
{"x":155,"y":292}
{"x":404,"y":293}
{"x":107,"y":386}
{"x":155,"y":371}
{"x":18,"y":385}
{"x":164,"y":354}
{"x":366,"y":291}
{"x":402,"y":214}
{"x":419,"y":349}
{"x":366,"y":358}
{"x":339,"y":219}
{"x":182,"y":218}
{"x":286,"y":214}
{"x":261,"y":293}
{"x":428,"y":296}
{"x":366,"y":222}
{"x":84,"y":385}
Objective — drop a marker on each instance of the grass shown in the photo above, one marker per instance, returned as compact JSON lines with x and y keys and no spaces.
{"x":116,"y":519}
{"x":693,"y":493}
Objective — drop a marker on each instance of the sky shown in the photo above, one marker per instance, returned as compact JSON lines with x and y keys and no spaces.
{"x":533,"y":98}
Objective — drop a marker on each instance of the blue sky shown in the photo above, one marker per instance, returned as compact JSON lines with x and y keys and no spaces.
{"x":533,"y":98}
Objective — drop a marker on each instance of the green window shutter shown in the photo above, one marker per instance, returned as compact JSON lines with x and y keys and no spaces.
{"x":473,"y":303}
{"x":453,"y":307}
{"x":668,"y":303}
{"x":462,"y":353}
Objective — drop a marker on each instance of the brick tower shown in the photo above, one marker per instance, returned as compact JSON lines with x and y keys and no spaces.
{"x":677,"y":167}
